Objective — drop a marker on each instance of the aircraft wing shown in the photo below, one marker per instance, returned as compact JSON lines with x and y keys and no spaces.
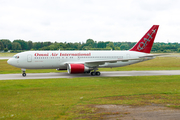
{"x":95,"y":63}
{"x":101,"y":62}
{"x":153,"y":55}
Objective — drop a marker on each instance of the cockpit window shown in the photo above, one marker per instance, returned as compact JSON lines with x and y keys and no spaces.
{"x":16,"y":57}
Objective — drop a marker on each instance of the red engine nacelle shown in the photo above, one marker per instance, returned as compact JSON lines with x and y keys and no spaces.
{"x":77,"y":68}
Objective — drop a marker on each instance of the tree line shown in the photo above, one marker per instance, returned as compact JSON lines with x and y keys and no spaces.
{"x":22,"y":45}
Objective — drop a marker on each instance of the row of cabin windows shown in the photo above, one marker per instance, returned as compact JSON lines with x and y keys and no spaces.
{"x":50,"y":57}
{"x":103,"y":57}
{"x":79,"y":57}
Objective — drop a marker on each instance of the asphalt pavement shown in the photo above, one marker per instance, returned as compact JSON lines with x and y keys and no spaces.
{"x":103,"y":74}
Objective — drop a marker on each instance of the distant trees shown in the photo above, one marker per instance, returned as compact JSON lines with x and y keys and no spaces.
{"x":90,"y":44}
{"x":165,"y":47}
{"x":22,"y":43}
{"x":110,"y":45}
{"x":6,"y":43}
{"x":29,"y":45}
{"x":124,"y":46}
{"x":16,"y":46}
{"x":1,"y":46}
{"x":37,"y":45}
{"x":5,"y":49}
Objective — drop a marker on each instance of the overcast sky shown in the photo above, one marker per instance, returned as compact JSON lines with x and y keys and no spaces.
{"x":79,"y":20}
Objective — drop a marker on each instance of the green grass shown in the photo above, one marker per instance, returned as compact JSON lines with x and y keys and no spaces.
{"x":7,"y":54}
{"x":159,"y":63}
{"x":71,"y":98}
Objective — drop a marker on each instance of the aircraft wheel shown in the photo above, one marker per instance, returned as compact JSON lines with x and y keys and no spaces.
{"x":98,"y":73}
{"x":93,"y":73}
{"x":24,"y":74}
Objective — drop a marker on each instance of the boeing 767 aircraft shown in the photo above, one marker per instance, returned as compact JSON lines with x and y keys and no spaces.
{"x":86,"y":61}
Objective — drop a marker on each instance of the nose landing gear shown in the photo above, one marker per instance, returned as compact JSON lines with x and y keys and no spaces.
{"x":23,"y":72}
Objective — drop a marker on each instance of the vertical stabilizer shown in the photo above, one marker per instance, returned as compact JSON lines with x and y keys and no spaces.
{"x":146,"y":42}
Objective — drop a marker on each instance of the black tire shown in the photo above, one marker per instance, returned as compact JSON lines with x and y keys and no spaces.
{"x":24,"y":74}
{"x":98,"y":73}
{"x":93,"y":73}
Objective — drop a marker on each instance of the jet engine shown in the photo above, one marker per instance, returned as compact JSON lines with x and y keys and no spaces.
{"x":77,"y":68}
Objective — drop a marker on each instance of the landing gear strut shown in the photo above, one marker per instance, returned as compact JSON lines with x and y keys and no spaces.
{"x":23,"y":72}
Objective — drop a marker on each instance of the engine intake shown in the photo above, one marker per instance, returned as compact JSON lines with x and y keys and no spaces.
{"x":77,"y":68}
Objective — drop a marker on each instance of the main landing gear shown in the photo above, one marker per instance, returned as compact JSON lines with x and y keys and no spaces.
{"x":95,"y":73}
{"x":23,"y":72}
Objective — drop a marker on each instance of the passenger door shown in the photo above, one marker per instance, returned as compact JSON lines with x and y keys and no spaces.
{"x":29,"y":58}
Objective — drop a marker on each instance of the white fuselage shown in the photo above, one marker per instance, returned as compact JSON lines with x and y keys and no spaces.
{"x":60,"y":59}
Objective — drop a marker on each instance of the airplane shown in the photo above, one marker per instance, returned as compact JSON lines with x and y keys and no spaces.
{"x":86,"y":61}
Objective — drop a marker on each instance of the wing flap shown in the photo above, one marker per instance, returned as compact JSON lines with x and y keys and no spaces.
{"x":153,"y":55}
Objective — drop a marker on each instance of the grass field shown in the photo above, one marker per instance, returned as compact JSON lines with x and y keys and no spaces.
{"x":159,"y":63}
{"x":72,"y":98}
{"x":7,"y":54}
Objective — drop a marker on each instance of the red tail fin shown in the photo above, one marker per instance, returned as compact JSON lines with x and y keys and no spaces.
{"x":146,"y":42}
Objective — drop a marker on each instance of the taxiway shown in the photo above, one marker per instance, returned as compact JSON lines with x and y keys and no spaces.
{"x":103,"y":74}
{"x":4,"y":58}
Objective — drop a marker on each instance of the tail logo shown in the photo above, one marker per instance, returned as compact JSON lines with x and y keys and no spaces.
{"x":142,"y":45}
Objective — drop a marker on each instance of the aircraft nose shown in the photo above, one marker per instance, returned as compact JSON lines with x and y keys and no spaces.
{"x":10,"y":61}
